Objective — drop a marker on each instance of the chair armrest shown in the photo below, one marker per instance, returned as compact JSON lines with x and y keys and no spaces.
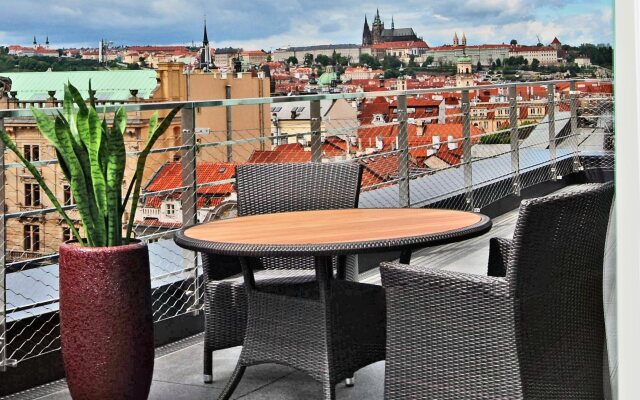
{"x":399,"y":275}
{"x":499,"y":250}
{"x":450,"y":335}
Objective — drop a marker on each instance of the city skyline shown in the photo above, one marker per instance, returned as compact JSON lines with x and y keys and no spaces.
{"x":258,"y":25}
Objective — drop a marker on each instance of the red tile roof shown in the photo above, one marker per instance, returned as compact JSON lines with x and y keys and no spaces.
{"x":401,"y":45}
{"x":170,"y":177}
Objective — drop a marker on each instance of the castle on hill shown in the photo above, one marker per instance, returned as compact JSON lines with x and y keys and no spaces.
{"x":379,"y":34}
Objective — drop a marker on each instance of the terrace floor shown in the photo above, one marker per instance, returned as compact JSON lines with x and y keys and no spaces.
{"x":178,"y":367}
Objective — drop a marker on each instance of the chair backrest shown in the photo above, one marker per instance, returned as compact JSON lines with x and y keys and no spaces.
{"x":272,"y":188}
{"x":555,"y":270}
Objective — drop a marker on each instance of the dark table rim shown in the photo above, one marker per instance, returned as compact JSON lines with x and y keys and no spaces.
{"x":331,"y":249}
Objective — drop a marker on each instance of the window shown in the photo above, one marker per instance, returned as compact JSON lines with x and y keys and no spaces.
{"x":66,"y":234}
{"x":171,"y":209}
{"x":32,"y":152}
{"x":68,"y":197}
{"x":31,"y":194}
{"x":31,"y":238}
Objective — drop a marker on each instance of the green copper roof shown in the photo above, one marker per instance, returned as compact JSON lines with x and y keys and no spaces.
{"x":109,"y":85}
{"x":327,"y":77}
{"x":464,"y":59}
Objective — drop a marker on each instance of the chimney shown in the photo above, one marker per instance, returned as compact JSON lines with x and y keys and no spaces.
{"x":435,"y":139}
{"x":451,"y":144}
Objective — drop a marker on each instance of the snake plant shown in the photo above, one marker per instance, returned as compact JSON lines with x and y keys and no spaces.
{"x":93,"y":159}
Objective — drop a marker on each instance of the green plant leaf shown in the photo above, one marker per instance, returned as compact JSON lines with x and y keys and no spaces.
{"x":36,"y":174}
{"x":142,"y":159}
{"x":116,"y":162}
{"x":94,"y":232}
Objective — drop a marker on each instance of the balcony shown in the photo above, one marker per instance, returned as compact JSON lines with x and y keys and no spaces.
{"x":463,"y":169}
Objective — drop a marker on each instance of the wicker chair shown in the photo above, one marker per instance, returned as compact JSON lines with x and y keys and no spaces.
{"x":532,"y":330}
{"x":271,"y":188}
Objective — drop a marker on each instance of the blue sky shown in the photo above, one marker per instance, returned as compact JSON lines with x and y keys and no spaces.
{"x":278,"y":23}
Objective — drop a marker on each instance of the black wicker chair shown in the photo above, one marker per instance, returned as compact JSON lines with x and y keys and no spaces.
{"x":271,"y":188}
{"x":532,"y":330}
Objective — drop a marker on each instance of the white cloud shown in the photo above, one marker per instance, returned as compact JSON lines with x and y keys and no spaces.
{"x":271,"y":24}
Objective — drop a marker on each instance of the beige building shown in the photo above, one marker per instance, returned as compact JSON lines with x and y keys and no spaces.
{"x":464,"y":76}
{"x":350,"y":51}
{"x":254,"y":57}
{"x":36,"y":236}
{"x":547,"y":55}
{"x":291,"y":122}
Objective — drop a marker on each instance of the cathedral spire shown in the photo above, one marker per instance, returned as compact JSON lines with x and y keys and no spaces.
{"x":456,"y":41}
{"x":366,"y":33}
{"x":393,"y":25}
{"x":205,"y":40}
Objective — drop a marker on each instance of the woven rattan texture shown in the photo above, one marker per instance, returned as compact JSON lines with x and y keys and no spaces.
{"x":537,"y":333}
{"x":271,"y":188}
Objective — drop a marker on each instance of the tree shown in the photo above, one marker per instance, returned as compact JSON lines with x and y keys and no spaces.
{"x":308,"y":59}
{"x":323,"y":60}
{"x":498,"y":63}
{"x":412,"y":61}
{"x":428,"y":61}
{"x":369,"y":60}
{"x":535,"y":64}
{"x":391,"y":62}
{"x":513,"y":42}
{"x":269,"y":59}
{"x":293,"y":60}
{"x":391,"y":73}
{"x":479,"y":66}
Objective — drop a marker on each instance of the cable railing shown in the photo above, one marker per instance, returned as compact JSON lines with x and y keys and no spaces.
{"x":406,"y":161}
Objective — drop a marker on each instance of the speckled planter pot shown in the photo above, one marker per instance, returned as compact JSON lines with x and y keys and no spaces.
{"x":106,"y":321}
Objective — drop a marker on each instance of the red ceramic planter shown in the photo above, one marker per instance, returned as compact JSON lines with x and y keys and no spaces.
{"x":106,"y":321}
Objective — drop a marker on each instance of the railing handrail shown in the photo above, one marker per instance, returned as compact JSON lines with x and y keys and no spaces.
{"x":7,"y":113}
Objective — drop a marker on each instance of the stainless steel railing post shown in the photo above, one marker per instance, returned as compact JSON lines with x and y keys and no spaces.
{"x":4,"y":361}
{"x":189,"y":199}
{"x":573,"y":96}
{"x":466,"y":150}
{"x":316,"y":127}
{"x":551,"y":104}
{"x":403,"y":153}
{"x":515,"y":142}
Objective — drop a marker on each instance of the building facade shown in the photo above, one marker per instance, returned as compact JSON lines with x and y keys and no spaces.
{"x":40,"y":235}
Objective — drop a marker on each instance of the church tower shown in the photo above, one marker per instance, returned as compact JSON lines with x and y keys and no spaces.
{"x":205,"y":59}
{"x":377,"y":28}
{"x":35,"y":43}
{"x":366,"y":34}
{"x":46,"y":43}
{"x":464,"y":77}
{"x":456,"y":41}
{"x":464,"y":39}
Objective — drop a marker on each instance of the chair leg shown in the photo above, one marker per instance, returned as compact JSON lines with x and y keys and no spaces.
{"x":233,"y":382}
{"x":208,"y":366}
{"x":349,"y":382}
{"x":329,"y":390}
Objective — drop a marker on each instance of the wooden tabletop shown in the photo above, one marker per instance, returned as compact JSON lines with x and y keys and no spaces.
{"x":335,"y":228}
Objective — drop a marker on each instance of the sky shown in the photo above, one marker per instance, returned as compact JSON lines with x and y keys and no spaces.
{"x":268,"y":25}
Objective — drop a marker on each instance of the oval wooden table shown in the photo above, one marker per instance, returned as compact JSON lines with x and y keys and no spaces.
{"x":328,"y":328}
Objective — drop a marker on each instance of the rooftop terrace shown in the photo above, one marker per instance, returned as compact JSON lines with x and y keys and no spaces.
{"x":563,"y":148}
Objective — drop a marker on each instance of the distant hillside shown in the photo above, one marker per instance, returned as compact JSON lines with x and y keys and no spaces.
{"x":10,"y":63}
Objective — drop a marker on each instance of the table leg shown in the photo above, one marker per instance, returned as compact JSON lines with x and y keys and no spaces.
{"x":250,"y":285}
{"x":405,"y":256}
